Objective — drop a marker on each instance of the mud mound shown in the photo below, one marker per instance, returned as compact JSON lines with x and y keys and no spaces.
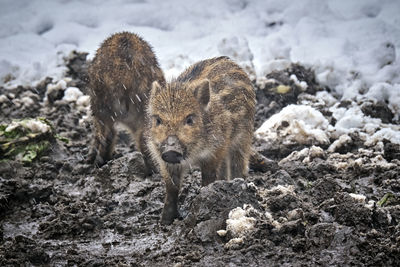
{"x":210,"y":208}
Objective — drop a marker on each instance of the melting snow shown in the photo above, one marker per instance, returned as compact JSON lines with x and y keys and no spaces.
{"x":239,"y":224}
{"x":296,"y":124}
{"x":35,"y":125}
{"x":72,"y":94}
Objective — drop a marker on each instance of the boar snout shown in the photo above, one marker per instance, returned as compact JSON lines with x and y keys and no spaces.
{"x":172,"y":157}
{"x":172,"y":151}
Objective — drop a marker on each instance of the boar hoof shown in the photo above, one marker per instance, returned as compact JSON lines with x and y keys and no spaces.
{"x":95,"y":158}
{"x":91,"y":156}
{"x":169,"y":215}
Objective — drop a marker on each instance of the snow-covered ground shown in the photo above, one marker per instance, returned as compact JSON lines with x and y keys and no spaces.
{"x":351,"y":45}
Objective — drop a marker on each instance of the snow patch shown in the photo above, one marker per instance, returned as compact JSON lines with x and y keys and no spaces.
{"x":363,"y":200}
{"x":370,"y":205}
{"x":390,"y":133}
{"x":358,"y":197}
{"x":222,"y":232}
{"x":3,"y":99}
{"x":60,"y":85}
{"x":286,"y":190}
{"x":27,"y":101}
{"x":386,"y":92}
{"x":364,"y":158}
{"x":72,"y":94}
{"x":34,"y":125}
{"x":53,"y":88}
{"x":302,"y":84}
{"x":343,"y":140}
{"x":352,"y":120}
{"x":83,"y":101}
{"x":306,"y":155}
{"x":276,"y":224}
{"x":298,"y":124}
{"x":239,"y":224}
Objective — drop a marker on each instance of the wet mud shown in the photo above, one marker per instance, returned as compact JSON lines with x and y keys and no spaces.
{"x":60,"y":211}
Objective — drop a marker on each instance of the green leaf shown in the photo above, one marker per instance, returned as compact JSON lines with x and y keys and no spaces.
{"x":385,"y":199}
{"x":61,"y":138}
{"x":20,"y":143}
{"x":29,"y":156}
{"x":33,"y":151}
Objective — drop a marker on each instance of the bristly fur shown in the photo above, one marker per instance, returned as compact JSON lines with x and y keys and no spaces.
{"x":120,"y":79}
{"x":219,"y":97}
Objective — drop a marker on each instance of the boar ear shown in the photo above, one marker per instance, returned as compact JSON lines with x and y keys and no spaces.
{"x":202,"y":92}
{"x":155,"y":89}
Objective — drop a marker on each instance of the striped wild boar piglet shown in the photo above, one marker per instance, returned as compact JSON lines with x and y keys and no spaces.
{"x":120,"y":79}
{"x":204,"y":117}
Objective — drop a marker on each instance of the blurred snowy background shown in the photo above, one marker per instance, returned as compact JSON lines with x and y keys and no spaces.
{"x":351,"y":45}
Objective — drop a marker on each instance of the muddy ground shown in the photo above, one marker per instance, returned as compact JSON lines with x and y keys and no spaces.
{"x":59,"y":211}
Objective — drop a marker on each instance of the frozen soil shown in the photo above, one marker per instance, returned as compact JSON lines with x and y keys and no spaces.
{"x":308,"y":210}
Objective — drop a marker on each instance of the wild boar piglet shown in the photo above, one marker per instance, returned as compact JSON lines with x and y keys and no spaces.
{"x":204,"y":117}
{"x":120,"y":79}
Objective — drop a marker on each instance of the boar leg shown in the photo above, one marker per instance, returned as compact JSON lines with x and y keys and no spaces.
{"x":240,"y":160}
{"x":172,"y":178}
{"x":224,"y":171}
{"x":215,"y":168}
{"x":103,"y":144}
{"x":142,"y":147}
{"x":208,"y":173}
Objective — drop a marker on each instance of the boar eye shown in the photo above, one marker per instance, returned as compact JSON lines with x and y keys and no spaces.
{"x":189,"y":120}
{"x":157,"y":120}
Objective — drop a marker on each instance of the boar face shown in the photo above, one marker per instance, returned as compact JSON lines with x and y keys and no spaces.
{"x":177,"y":115}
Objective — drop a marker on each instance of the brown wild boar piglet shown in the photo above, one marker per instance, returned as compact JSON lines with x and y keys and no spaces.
{"x":120,"y":79}
{"x":204,"y":117}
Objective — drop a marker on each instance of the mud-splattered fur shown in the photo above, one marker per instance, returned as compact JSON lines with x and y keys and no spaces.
{"x":120,"y":77}
{"x":218,"y":97}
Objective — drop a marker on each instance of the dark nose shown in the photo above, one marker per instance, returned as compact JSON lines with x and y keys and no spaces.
{"x":172,"y":156}
{"x":172,"y":151}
